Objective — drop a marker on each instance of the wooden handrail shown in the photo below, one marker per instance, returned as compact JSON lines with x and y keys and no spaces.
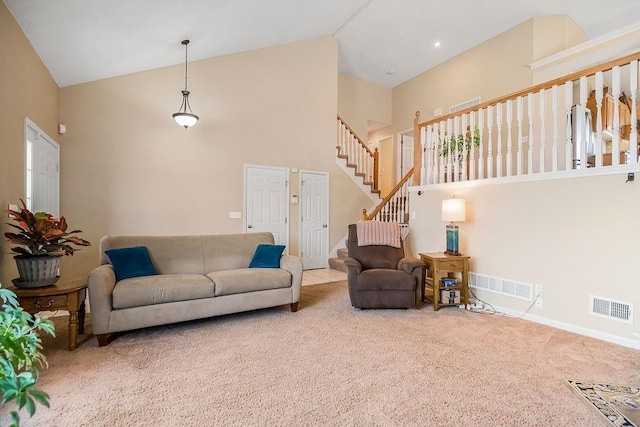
{"x":533,"y":89}
{"x":388,"y":197}
{"x":356,"y":135}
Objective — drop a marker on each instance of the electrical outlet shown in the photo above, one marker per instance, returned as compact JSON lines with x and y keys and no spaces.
{"x":538,"y":291}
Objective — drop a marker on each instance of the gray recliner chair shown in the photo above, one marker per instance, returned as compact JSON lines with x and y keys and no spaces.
{"x":381,"y":277}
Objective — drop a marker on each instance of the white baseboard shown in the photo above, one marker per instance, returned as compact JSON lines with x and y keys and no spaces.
{"x":625,"y":342}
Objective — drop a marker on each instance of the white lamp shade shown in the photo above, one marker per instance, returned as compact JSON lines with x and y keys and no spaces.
{"x":453,"y":210}
{"x":185,"y":119}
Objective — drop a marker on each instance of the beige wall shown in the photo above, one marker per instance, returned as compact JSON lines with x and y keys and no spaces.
{"x":26,"y":90}
{"x":128,"y":168}
{"x":361,"y":102}
{"x":577,"y":237}
{"x":552,"y":34}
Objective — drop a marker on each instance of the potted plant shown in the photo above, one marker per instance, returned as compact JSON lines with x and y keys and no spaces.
{"x":450,"y":145}
{"x":456,"y":144}
{"x":42,"y":240}
{"x":20,"y":355}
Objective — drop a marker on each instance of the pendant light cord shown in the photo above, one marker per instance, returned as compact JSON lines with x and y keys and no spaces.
{"x":186,"y":47}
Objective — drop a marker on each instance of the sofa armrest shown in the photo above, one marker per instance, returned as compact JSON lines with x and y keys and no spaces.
{"x":353,"y":265}
{"x":417,"y":268}
{"x":101,"y":282}
{"x":293,"y":265}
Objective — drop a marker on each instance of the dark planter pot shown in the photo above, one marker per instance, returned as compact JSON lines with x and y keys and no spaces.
{"x":36,"y":272}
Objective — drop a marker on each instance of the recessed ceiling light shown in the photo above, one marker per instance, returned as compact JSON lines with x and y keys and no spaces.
{"x":436,"y":44}
{"x":390,"y":72}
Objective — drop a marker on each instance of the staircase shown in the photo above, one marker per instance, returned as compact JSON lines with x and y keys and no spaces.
{"x":362,"y":163}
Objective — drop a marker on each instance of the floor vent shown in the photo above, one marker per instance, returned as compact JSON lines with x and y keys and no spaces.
{"x":501,"y":286}
{"x":611,"y":309}
{"x":464,"y":105}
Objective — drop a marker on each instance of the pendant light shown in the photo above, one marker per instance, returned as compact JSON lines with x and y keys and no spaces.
{"x":184,"y":116}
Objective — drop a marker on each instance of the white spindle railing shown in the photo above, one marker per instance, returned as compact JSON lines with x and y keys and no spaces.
{"x":357,"y":154}
{"x":589,"y":121}
{"x":395,"y":206}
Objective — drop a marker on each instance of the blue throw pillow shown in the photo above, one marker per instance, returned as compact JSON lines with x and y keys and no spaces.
{"x":267,"y":256}
{"x":131,"y":262}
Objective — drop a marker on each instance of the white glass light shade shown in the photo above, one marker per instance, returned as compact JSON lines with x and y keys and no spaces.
{"x":185,"y":119}
{"x":453,"y":210}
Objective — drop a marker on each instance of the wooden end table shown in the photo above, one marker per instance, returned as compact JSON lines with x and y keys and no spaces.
{"x":67,"y":295}
{"x":441,"y":266}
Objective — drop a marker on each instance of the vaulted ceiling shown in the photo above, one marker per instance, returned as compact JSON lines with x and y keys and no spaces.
{"x":382,"y":41}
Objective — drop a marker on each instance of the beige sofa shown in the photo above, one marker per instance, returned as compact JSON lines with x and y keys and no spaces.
{"x":198,"y":277}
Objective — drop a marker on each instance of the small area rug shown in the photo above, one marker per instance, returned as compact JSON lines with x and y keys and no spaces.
{"x":619,"y":405}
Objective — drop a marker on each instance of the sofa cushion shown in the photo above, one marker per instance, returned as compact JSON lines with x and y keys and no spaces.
{"x":229,"y":282}
{"x":131,"y":262}
{"x":231,"y":251}
{"x":163,"y":288}
{"x":266,"y":256}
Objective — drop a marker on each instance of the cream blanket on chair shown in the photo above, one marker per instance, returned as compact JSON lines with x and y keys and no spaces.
{"x":378,"y":233}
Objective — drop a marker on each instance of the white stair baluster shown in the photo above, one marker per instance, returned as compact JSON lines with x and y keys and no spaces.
{"x":543,"y":131}
{"x":442,"y":136}
{"x":490,"y":141}
{"x":465,"y":147}
{"x":499,"y":143}
{"x":519,"y":116}
{"x":615,"y":149}
{"x":554,"y":109}
{"x":633,"y":89}
{"x":481,"y":144}
{"x":530,"y":115}
{"x":509,"y":141}
{"x":599,"y":94}
{"x":472,"y":148}
{"x":425,"y":166}
{"x":585,"y":125}
{"x":568,"y":104}
{"x":456,"y":151}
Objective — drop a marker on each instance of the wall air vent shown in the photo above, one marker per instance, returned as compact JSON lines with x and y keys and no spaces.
{"x":611,"y":309}
{"x":501,"y":286}
{"x":464,"y":105}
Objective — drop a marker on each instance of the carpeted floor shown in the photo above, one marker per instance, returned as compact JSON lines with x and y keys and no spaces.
{"x":330,"y":364}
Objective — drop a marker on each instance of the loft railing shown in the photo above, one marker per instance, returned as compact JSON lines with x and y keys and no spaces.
{"x":395,"y":206}
{"x":586,"y":121}
{"x":357,"y":154}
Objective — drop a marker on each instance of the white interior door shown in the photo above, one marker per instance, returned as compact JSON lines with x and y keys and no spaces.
{"x":405,"y":155}
{"x":266,"y":202}
{"x":42,"y":171}
{"x":314,"y":219}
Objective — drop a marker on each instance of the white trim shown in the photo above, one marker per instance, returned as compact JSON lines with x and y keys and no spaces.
{"x":326,"y":174}
{"x":626,"y":342}
{"x":574,"y":173}
{"x":41,"y":134}
{"x":585,"y":46}
{"x":244,"y":198}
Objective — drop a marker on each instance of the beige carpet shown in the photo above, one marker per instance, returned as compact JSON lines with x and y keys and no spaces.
{"x":330,"y":364}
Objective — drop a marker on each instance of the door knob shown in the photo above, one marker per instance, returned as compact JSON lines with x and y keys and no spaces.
{"x":249,"y":226}
{"x":324,"y":225}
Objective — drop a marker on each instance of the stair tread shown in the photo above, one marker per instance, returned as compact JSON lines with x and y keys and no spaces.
{"x":337,"y":264}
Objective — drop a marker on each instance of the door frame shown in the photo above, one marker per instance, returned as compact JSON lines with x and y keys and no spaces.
{"x":244,"y":198}
{"x":28,"y":123}
{"x":328,"y":210}
{"x":399,"y":153}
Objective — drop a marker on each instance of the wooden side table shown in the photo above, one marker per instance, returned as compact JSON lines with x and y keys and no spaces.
{"x":67,"y":295}
{"x":441,"y":266}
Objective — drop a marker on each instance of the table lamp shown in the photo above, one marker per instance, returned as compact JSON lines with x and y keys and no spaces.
{"x":453,"y":210}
